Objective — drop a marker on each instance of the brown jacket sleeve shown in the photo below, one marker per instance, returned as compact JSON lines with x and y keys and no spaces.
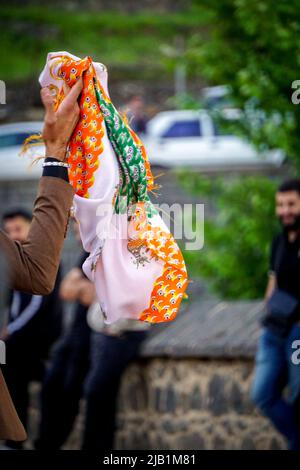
{"x":33,"y":265}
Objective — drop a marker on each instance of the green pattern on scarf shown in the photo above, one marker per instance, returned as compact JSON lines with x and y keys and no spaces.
{"x":133,"y":181}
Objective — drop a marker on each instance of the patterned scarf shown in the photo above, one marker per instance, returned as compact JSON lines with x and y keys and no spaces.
{"x":131,"y":197}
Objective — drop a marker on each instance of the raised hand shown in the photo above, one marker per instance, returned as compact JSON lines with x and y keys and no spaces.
{"x":59,"y":125}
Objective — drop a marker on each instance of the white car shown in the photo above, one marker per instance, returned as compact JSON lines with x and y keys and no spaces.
{"x":174,"y":138}
{"x":12,"y":165}
{"x":191,"y":138}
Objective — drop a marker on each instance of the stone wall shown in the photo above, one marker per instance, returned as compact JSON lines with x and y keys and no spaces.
{"x":190,"y":404}
{"x":182,"y":404}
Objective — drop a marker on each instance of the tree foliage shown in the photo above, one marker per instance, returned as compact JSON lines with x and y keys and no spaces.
{"x":238,"y":233}
{"x":254,"y":47}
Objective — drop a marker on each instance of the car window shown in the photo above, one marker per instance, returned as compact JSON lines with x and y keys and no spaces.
{"x":9,"y":140}
{"x":184,"y":129}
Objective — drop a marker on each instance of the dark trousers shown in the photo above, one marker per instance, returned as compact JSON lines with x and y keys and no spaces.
{"x":23,"y":364}
{"x":110,"y":355}
{"x":95,"y":375}
{"x":275,"y":369}
{"x":62,"y":386}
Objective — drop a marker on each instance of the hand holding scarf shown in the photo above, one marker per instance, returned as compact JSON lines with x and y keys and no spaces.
{"x":135,"y":263}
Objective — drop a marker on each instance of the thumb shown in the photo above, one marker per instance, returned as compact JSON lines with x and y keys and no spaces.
{"x":73,"y":93}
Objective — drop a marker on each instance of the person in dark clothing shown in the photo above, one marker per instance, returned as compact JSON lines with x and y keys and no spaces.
{"x":62,"y":386}
{"x":110,"y":355}
{"x":275,"y":368}
{"x":87,"y":363}
{"x":33,"y":324}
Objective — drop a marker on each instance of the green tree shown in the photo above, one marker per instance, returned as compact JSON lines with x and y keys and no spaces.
{"x":238,"y":234}
{"x":254,"y":47}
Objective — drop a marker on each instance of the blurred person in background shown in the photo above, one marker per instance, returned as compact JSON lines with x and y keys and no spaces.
{"x":113,"y":347}
{"x":62,"y":387}
{"x":33,"y":324}
{"x":275,"y":367}
{"x":88,"y":362}
{"x":135,"y":113}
